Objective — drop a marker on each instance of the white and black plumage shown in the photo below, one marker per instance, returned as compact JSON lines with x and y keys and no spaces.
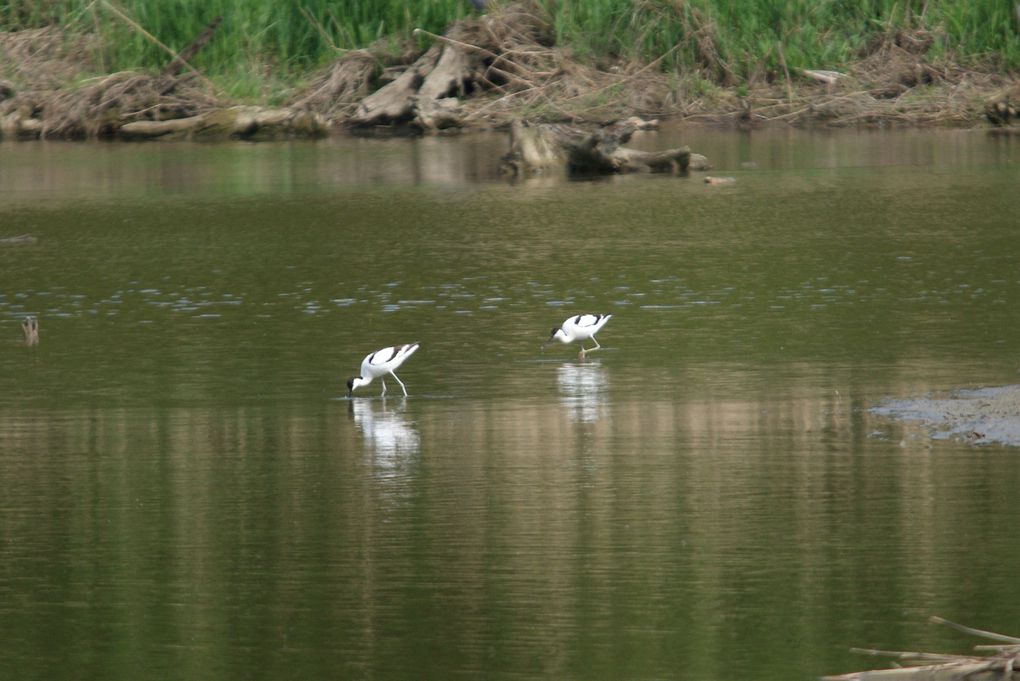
{"x":30,"y":327}
{"x":580,"y":328}
{"x":379,"y":364}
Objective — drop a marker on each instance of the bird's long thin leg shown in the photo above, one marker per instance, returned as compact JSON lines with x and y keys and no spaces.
{"x":597,"y":346}
{"x":400,"y":382}
{"x":383,"y":380}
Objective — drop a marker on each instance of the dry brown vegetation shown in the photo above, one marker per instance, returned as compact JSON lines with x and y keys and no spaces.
{"x":56,"y":101}
{"x":892,"y":83}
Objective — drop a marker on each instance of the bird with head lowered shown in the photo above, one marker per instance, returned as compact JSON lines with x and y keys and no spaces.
{"x":379,"y":364}
{"x":580,"y":328}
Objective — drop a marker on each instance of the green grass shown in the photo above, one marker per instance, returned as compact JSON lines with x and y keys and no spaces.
{"x":744,"y":36}
{"x":259,"y":45}
{"x":263,"y":44}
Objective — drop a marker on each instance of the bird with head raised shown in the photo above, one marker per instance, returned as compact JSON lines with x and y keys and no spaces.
{"x":379,"y":364}
{"x":580,"y":328}
{"x":30,"y":327}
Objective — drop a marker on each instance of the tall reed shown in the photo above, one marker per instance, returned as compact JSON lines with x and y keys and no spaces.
{"x":758,"y":35}
{"x":259,"y":42}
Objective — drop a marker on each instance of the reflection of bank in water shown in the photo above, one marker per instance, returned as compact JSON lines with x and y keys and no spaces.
{"x":583,"y":390}
{"x":390,"y":437}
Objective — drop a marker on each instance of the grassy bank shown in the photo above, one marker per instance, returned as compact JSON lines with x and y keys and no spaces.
{"x":260,"y":48}
{"x":741,"y":40}
{"x":263,"y":47}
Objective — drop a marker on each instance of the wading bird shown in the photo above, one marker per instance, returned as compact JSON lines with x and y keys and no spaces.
{"x":579,"y":328}
{"x":380,"y":363}
{"x":30,"y":327}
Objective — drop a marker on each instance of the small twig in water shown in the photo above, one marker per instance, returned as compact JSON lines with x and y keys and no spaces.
{"x":935,"y":619}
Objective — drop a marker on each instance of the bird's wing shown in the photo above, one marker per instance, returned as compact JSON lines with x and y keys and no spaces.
{"x":584,"y":321}
{"x":387,"y":355}
{"x":380,"y":357}
{"x":407,"y":350}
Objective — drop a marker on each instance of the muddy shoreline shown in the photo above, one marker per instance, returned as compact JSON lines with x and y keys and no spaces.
{"x":979,"y":415}
{"x":484,"y":72}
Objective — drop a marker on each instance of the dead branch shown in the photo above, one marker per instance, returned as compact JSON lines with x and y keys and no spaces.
{"x":945,"y":667}
{"x":187,"y":54}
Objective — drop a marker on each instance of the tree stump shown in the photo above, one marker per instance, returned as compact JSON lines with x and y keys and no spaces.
{"x":535,"y":148}
{"x":395,"y":102}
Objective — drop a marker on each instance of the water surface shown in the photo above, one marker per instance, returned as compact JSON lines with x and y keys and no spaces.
{"x":188,"y":494}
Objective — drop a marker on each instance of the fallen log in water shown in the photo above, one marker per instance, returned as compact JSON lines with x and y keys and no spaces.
{"x":1003,"y":664}
{"x":534,"y":148}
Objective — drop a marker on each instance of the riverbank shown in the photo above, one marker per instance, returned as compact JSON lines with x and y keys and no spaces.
{"x":486,"y":71}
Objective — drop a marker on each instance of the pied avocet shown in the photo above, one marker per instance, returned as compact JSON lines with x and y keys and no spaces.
{"x":380,"y":363}
{"x":579,"y":328}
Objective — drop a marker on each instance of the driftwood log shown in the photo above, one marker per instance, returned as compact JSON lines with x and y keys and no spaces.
{"x":238,"y":122}
{"x":1001,"y":664}
{"x":535,"y":148}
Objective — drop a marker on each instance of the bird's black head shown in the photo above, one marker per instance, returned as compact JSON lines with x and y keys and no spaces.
{"x":350,"y":386}
{"x":552,"y":334}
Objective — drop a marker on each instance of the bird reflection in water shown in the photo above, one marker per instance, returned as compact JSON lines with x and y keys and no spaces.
{"x":390,"y":436}
{"x":583,"y":390}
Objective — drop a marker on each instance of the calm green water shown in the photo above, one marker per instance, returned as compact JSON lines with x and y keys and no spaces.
{"x":186,"y":494}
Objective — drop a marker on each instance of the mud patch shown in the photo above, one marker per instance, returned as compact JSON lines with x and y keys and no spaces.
{"x":982,"y":415}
